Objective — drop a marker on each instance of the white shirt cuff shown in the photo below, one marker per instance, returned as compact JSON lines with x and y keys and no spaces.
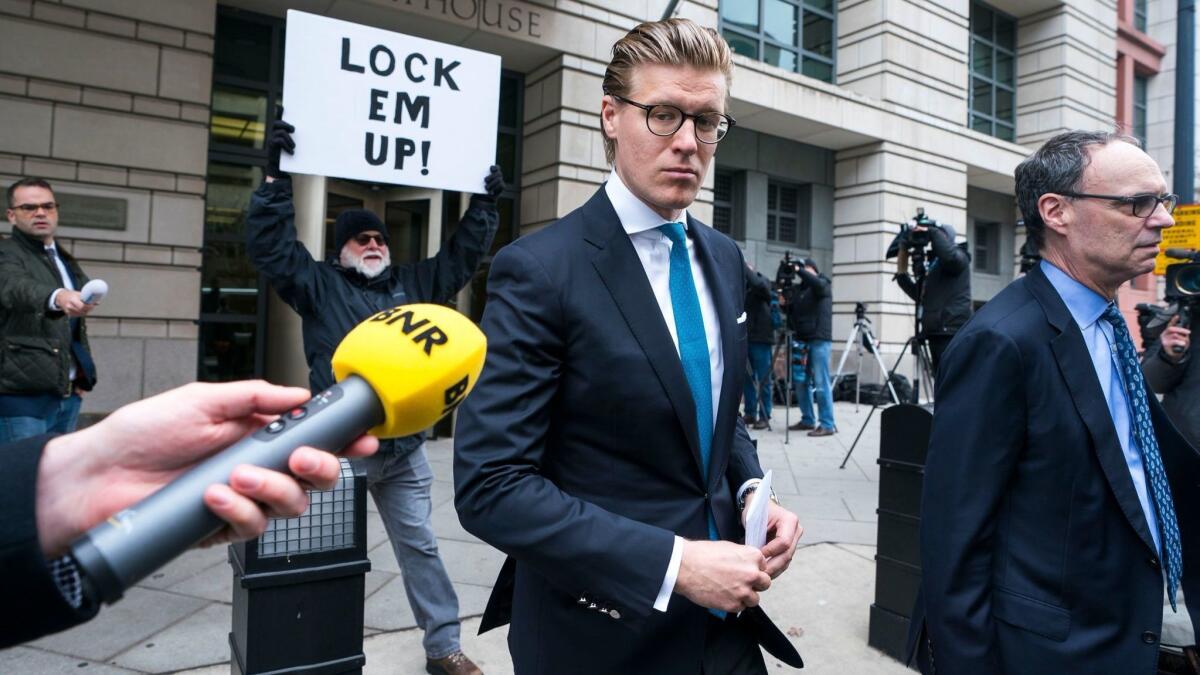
{"x":668,"y":584}
{"x":753,"y":482}
{"x":54,"y":295}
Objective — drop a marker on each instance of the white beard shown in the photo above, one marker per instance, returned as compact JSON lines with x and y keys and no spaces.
{"x":368,"y":268}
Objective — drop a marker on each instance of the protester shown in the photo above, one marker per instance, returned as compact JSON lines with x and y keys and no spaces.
{"x":47,"y":363}
{"x":602,"y":449}
{"x":332,"y":297}
{"x":1058,"y":498}
{"x":810,"y":316}
{"x":55,"y":488}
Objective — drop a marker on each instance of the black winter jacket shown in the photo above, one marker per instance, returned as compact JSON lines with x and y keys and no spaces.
{"x":35,"y":341}
{"x":331,"y":299}
{"x":1180,"y":385}
{"x":810,"y":307}
{"x":758,"y":308}
{"x":947,"y":302}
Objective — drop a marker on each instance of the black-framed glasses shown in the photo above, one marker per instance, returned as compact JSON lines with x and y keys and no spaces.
{"x":665,"y":120}
{"x":1143,"y":204}
{"x":30,"y":209}
{"x":363,"y":239}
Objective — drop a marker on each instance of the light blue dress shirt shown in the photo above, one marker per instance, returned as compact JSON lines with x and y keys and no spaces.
{"x":1086,"y":306}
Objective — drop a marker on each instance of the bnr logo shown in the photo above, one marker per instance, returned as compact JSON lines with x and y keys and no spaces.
{"x":431,"y":336}
{"x":455,"y":394}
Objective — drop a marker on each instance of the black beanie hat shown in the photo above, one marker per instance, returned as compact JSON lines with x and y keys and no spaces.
{"x":809,"y":262}
{"x":353,"y":222}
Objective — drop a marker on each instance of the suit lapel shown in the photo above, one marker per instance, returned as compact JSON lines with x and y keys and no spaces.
{"x":1075,"y":365}
{"x":621,"y":271}
{"x":716,"y":276}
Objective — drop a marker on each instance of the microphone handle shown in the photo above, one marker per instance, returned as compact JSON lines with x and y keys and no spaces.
{"x":130,"y":545}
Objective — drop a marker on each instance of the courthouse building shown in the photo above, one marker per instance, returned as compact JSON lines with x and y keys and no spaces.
{"x":149,"y":118}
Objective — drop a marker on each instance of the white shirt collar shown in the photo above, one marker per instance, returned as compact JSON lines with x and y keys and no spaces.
{"x":634,"y":214}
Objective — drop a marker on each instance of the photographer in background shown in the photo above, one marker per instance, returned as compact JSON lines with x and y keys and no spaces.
{"x":761,"y":321}
{"x":946,"y":297}
{"x":1167,"y":363}
{"x":810,"y":316}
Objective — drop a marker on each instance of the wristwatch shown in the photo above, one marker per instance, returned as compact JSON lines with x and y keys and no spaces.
{"x":750,"y":490}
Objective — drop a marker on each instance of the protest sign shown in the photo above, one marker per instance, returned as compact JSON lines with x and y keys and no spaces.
{"x":385,"y":107}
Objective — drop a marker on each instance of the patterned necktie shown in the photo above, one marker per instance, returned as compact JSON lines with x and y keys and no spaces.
{"x":1143,"y":433}
{"x":693,"y":351}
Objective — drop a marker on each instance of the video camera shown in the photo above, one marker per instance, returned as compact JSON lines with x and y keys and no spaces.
{"x":1182,"y":296}
{"x":910,"y":237}
{"x":785,"y":274}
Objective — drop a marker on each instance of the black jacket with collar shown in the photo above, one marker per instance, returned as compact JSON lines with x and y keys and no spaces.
{"x":35,"y":341}
{"x":331,"y":299}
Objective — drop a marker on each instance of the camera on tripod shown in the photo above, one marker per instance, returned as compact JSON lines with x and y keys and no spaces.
{"x":785,"y":274}
{"x":1182,"y":296}
{"x":912,"y":239}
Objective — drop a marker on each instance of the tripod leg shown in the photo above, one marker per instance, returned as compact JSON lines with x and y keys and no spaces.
{"x":883,"y":369}
{"x":845,"y":352}
{"x":876,"y":405}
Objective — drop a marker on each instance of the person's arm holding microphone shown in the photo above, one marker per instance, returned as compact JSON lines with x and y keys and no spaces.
{"x":54,"y":488}
{"x":1166,"y":361}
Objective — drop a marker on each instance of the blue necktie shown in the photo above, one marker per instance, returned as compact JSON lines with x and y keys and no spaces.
{"x":1143,"y":433}
{"x":693,"y":351}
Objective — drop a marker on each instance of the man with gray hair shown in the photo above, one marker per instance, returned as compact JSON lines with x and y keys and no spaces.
{"x":602,"y":449}
{"x":1059,"y":501}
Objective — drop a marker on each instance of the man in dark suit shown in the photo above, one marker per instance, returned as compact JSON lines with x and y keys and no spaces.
{"x":602,"y":449}
{"x":1059,"y":500}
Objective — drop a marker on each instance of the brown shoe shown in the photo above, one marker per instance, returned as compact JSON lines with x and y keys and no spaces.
{"x":801,"y":426}
{"x":455,"y":664}
{"x":821,"y":431}
{"x":761,"y":424}
{"x":749,"y":420}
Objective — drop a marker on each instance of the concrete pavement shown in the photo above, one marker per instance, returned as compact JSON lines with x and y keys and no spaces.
{"x":178,"y":620}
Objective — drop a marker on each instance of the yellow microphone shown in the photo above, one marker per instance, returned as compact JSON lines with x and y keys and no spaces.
{"x":398,"y":372}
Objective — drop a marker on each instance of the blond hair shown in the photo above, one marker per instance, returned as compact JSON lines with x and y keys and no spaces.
{"x":674,"y":42}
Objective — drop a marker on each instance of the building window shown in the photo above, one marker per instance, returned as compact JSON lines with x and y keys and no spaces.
{"x":987,"y":247}
{"x":796,"y":35}
{"x":993,"y":108}
{"x":1140,"y":15}
{"x":787,"y":222}
{"x":1140,"y":85}
{"x":723,"y":202}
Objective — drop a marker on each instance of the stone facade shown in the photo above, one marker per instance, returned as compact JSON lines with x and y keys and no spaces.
{"x":109,"y":98}
{"x":118,"y":105}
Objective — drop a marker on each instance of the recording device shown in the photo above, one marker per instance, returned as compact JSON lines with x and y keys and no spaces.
{"x":910,"y":237}
{"x":785,"y":274}
{"x":94,"y":291}
{"x":1182,"y":296}
{"x":398,"y":372}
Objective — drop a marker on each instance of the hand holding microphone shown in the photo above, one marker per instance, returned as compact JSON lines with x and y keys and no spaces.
{"x":398,"y":372}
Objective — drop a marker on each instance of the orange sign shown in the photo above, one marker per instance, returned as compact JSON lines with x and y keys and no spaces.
{"x":1185,"y":234}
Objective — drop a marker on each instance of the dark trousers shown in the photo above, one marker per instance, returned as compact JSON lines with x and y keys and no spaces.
{"x":731,"y":649}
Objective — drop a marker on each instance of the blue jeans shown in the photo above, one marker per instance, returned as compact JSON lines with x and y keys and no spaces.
{"x":819,"y":386}
{"x":400,"y":486}
{"x":759,"y":355}
{"x":61,"y":420}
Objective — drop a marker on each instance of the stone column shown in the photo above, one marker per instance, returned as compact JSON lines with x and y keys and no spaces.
{"x":284,"y":350}
{"x":1065,"y":74}
{"x":878,"y":186}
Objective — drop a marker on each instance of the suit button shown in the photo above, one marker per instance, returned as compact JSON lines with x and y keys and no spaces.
{"x":1149,"y":637}
{"x":705,"y":496}
{"x":614,"y":613}
{"x":1153,"y":562}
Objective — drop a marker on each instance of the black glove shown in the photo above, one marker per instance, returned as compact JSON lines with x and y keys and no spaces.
{"x":279,"y":138}
{"x":494,"y":184}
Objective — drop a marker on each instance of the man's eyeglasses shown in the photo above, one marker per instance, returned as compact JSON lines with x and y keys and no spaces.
{"x":364,"y":239}
{"x":665,"y":120}
{"x":1143,"y":204}
{"x":48,"y":207}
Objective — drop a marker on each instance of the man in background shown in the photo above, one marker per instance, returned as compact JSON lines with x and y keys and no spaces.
{"x":761,"y":315}
{"x":47,"y":363}
{"x":810,"y":316}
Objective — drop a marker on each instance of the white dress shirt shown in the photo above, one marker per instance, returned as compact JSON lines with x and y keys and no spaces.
{"x":653,"y":248}
{"x":65,"y":277}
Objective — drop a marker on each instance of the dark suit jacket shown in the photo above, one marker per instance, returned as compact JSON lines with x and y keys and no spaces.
{"x":577,"y":454}
{"x":1035,"y":554}
{"x":33,"y":605}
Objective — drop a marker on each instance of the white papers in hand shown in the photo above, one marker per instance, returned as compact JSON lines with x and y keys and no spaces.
{"x":756,"y":514}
